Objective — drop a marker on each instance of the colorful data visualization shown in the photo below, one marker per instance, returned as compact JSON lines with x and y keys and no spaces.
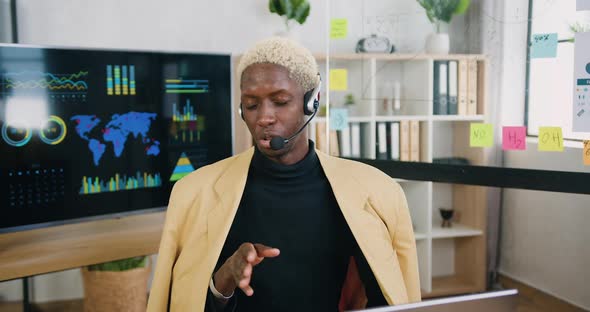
{"x":35,"y":81}
{"x":183,"y":168}
{"x":187,"y":85}
{"x":117,"y":132}
{"x":120,"y":80}
{"x":187,"y":114}
{"x":93,"y":185}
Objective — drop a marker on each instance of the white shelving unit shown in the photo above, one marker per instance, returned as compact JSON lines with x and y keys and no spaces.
{"x":451,"y":260}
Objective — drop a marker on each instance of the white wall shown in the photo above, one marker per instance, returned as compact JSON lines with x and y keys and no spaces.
{"x":221,"y":26}
{"x":544,"y":236}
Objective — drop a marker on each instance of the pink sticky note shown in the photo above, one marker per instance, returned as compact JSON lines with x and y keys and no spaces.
{"x":513,"y":138}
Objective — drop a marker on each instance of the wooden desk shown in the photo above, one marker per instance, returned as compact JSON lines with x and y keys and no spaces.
{"x":70,"y":246}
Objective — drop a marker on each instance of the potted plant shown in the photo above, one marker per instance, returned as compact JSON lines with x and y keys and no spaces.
{"x":349,"y":103}
{"x":440,"y":13}
{"x":290,"y":10}
{"x":119,"y":285}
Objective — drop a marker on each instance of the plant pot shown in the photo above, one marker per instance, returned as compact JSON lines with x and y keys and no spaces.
{"x":437,"y":43}
{"x":290,"y":34}
{"x":116,"y":291}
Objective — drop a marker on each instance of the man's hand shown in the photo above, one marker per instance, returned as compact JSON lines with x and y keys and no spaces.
{"x":237,"y":269}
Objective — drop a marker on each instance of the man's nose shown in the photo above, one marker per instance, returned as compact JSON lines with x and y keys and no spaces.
{"x":266,"y":114}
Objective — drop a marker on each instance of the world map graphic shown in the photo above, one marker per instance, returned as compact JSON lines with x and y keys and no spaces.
{"x":116,"y":132}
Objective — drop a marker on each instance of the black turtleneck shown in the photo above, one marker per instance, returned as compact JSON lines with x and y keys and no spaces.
{"x":294,"y":209}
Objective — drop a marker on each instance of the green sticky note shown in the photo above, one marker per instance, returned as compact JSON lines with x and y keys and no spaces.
{"x":338,"y":28}
{"x":338,"y":118}
{"x":544,"y":46}
{"x":338,"y":79}
{"x":482,"y":135}
{"x":550,"y":139}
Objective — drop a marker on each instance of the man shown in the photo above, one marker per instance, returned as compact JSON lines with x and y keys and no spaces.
{"x":283,"y":227}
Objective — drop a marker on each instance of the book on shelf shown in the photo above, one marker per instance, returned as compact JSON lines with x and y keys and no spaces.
{"x":321,"y":141}
{"x":382,"y":141}
{"x":344,"y":139}
{"x":404,"y":140}
{"x":355,"y":140}
{"x":440,"y":87}
{"x":462,"y":88}
{"x":452,"y":91}
{"x":334,"y":146}
{"x":393,"y":146}
{"x":472,"y":87}
{"x":414,"y":140}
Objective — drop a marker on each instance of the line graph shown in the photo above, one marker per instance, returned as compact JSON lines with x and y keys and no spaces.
{"x":34,"y":81}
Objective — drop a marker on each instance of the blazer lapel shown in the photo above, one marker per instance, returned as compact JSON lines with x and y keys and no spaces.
{"x":353,"y":200}
{"x":229,"y":189}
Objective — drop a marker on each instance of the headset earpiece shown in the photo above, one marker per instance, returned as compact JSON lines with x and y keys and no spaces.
{"x":311,"y":99}
{"x":241,"y":112}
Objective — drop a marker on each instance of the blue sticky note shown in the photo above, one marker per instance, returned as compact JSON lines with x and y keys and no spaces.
{"x":544,"y":45}
{"x":338,"y":118}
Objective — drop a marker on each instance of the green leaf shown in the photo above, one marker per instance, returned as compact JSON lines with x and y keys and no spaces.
{"x":120,"y":265}
{"x":278,"y":8}
{"x":302,"y":12}
{"x":287,"y":8}
{"x":271,"y":6}
{"x":462,"y":6}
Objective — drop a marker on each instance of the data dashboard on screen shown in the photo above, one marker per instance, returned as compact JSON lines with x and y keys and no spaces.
{"x":88,"y":132}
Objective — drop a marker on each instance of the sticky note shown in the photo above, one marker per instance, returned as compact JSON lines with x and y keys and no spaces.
{"x":338,"y":118}
{"x":338,"y":79}
{"x":482,"y":135}
{"x":513,"y":138}
{"x":587,"y":152}
{"x":550,"y":139}
{"x":544,"y":45}
{"x":338,"y":28}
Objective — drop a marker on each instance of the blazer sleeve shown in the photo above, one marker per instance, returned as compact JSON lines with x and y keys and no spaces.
{"x":159,"y":297}
{"x":405,"y":246}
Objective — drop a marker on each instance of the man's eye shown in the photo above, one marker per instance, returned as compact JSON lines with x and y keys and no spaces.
{"x":251,"y":107}
{"x":281,"y":103}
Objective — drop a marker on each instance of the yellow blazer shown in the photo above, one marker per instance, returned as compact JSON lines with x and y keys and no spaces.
{"x":203,"y":205}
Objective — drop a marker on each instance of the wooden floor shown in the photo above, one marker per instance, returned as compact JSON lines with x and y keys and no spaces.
{"x":533,"y":300}
{"x":530,"y":300}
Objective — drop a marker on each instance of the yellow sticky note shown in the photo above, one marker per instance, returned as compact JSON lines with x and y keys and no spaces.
{"x":550,"y":139}
{"x":338,"y":28}
{"x":338,"y":79}
{"x":587,"y":152}
{"x":482,"y":135}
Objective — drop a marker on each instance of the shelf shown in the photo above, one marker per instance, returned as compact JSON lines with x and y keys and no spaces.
{"x":420,"y":236}
{"x":449,"y":285}
{"x":458,"y":230}
{"x":359,"y":119}
{"x":401,"y":117}
{"x":458,"y":118}
{"x":399,"y":56}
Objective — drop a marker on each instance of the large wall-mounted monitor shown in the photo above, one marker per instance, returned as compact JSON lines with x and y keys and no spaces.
{"x":89,"y":133}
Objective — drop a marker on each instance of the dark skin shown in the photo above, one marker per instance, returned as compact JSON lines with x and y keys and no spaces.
{"x":272,"y":105}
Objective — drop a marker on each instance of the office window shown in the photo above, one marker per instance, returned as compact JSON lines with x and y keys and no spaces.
{"x":551,"y":80}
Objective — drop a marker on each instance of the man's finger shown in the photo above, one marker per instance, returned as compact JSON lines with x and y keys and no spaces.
{"x":247,"y":271}
{"x":248,"y":252}
{"x":263,"y":251}
{"x":248,"y":291}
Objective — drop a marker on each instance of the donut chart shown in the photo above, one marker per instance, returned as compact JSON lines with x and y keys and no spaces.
{"x":53,"y":131}
{"x":16,"y":133}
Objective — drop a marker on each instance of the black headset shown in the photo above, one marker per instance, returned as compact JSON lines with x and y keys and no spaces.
{"x":311,"y":100}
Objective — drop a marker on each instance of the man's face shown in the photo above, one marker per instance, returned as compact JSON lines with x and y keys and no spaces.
{"x":272,"y":104}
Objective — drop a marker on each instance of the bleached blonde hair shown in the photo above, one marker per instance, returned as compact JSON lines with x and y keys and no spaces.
{"x":285,"y":52}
